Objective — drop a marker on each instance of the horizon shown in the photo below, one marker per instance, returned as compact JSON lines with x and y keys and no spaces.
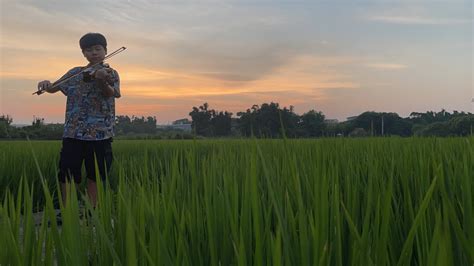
{"x":165,"y":123}
{"x":341,"y":58}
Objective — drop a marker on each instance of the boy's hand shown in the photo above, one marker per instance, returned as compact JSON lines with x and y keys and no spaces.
{"x":103,"y":74}
{"x":43,"y":86}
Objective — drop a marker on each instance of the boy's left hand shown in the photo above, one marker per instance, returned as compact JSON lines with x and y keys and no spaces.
{"x":103,"y":74}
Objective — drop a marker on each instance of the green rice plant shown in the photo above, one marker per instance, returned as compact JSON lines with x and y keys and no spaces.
{"x":334,"y":201}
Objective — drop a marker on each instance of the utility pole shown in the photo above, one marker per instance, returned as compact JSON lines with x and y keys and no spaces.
{"x":382,"y":125}
{"x":372,"y":127}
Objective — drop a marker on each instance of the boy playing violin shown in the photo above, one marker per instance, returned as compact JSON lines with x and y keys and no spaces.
{"x":90,"y":116}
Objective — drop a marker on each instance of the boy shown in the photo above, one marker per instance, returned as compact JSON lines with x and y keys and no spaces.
{"x":90,"y":117}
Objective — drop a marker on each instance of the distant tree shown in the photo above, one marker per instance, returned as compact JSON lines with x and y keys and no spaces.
{"x":333,"y":129}
{"x":221,"y":123}
{"x":462,"y":125}
{"x":209,"y":122}
{"x":400,"y":127}
{"x":135,"y":125}
{"x":6,"y":119}
{"x":439,"y":129}
{"x":290,"y":122}
{"x":35,"y":131}
{"x":39,"y":130}
{"x":371,"y":122}
{"x":268,"y":120}
{"x":5,"y":128}
{"x":358,"y":132}
{"x":123,"y":124}
{"x":53,"y":131}
{"x":442,"y":123}
{"x":247,"y":121}
{"x":431,"y":116}
{"x":150,"y":124}
{"x":201,"y":120}
{"x":144,"y":125}
{"x":37,"y":122}
{"x":312,"y":124}
{"x":339,"y":129}
{"x":377,"y":124}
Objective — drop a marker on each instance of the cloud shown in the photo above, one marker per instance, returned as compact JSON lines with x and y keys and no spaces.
{"x":209,"y":38}
{"x":417,"y":20}
{"x":386,"y":66}
{"x":234,"y":53}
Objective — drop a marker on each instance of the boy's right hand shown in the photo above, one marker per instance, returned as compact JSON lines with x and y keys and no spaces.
{"x":43,"y":86}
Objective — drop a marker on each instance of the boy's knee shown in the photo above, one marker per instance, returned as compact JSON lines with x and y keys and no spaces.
{"x":64,"y":177}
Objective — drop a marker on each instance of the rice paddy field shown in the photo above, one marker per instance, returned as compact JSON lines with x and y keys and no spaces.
{"x":372,"y":201}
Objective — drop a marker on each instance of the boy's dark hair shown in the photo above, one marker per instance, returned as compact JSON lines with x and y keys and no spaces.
{"x":91,"y":39}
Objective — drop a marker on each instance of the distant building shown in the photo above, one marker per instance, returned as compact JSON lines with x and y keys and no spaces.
{"x":20,"y":125}
{"x":181,"y":124}
{"x":183,"y":121}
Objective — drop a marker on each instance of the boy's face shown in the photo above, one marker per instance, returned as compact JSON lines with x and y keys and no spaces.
{"x":95,"y":53}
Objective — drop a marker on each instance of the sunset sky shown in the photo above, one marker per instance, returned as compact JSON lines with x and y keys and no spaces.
{"x":338,"y":57}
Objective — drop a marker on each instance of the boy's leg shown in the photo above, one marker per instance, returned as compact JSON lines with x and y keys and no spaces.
{"x":92,"y":191}
{"x":70,"y":163}
{"x":100,"y":151}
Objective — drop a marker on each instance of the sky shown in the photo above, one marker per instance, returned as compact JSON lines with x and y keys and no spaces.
{"x":338,"y":57}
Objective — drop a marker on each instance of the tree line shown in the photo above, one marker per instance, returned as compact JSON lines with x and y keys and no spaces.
{"x":124,"y":126}
{"x":269,"y":120}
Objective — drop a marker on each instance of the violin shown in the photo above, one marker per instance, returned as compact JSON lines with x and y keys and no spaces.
{"x":88,"y":72}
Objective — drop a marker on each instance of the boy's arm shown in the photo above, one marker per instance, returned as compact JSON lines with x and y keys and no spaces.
{"x":108,"y":81}
{"x":47,"y":86}
{"x":107,"y":90}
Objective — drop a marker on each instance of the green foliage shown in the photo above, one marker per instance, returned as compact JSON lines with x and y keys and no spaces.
{"x":5,"y":122}
{"x":440,"y":129}
{"x":221,"y":123}
{"x":312,"y":124}
{"x":201,"y":117}
{"x":268,"y":121}
{"x":431,"y":117}
{"x":135,"y":125}
{"x":378,"y":124}
{"x":377,"y":201}
{"x":209,"y":122}
{"x":462,"y":125}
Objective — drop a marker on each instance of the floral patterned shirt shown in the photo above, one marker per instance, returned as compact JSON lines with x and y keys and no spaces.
{"x":89,"y":114}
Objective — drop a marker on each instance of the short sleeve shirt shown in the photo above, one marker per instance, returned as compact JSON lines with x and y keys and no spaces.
{"x":89,"y":114}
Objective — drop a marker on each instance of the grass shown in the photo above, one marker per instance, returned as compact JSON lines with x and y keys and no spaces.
{"x":378,"y":201}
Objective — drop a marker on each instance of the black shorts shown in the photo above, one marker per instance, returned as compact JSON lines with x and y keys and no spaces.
{"x":75,"y":151}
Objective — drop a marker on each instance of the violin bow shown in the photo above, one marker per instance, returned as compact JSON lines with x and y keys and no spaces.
{"x":63,"y":80}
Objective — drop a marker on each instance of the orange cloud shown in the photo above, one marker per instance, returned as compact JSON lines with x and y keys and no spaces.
{"x":170,"y":93}
{"x":387,"y":66}
{"x":299,"y":76}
